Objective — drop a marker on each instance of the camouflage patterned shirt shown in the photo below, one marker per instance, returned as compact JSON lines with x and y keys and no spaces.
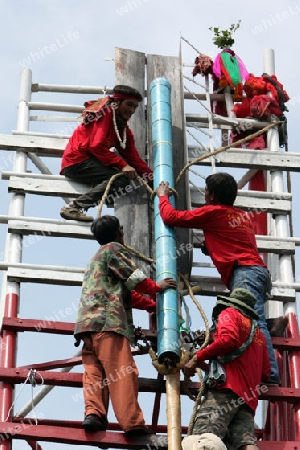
{"x":105,"y":302}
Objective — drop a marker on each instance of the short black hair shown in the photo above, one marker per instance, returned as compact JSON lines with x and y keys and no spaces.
{"x":127,"y":90}
{"x":105,"y":229}
{"x":223,"y":186}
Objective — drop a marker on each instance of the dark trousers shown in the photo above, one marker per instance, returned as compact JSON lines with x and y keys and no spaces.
{"x":95,"y":175}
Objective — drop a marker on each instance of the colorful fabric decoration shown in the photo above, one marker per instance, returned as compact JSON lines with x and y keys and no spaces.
{"x":231,"y":71}
{"x":203,"y":65}
{"x":230,"y":65}
{"x":258,"y":103}
{"x":94,"y":109}
{"x":263,"y":106}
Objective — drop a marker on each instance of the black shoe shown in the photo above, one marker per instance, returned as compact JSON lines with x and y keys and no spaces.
{"x":92,"y":422}
{"x":138,"y":432}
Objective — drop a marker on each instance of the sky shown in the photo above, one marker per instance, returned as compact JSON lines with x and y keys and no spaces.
{"x":73,"y":43}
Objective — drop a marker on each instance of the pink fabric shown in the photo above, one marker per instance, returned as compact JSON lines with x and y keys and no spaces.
{"x":243,"y":70}
{"x":217,"y":68}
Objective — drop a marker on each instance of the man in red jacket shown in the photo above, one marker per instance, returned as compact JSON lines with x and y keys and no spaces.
{"x":230,"y":242}
{"x":100,"y":147}
{"x":229,"y":407}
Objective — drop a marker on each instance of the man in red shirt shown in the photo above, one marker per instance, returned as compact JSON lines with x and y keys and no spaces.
{"x":229,"y":407}
{"x":100,"y":147}
{"x":230,"y":242}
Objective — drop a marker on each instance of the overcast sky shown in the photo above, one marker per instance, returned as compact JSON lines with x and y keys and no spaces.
{"x":72,"y":42}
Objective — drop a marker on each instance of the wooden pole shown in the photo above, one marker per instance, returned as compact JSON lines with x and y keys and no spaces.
{"x":173,"y":411}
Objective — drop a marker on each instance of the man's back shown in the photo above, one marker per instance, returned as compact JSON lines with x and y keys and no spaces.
{"x":105,"y":303}
{"x":245,"y":373}
{"x":228,"y":232}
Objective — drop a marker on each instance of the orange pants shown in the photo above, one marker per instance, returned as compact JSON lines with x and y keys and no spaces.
{"x":110,"y":371}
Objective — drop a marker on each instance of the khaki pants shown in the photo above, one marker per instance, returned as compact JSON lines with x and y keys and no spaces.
{"x":110,"y":371}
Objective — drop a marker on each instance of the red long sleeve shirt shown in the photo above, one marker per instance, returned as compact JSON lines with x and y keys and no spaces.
{"x":96,"y":139}
{"x":245,"y":373}
{"x":139,"y":301}
{"x":228,"y":232}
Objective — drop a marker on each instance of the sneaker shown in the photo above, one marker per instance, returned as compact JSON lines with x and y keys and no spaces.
{"x":92,"y":422}
{"x":73,"y":213}
{"x":138,"y":432}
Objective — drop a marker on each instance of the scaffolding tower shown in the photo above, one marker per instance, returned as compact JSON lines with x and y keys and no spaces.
{"x":280,"y":429}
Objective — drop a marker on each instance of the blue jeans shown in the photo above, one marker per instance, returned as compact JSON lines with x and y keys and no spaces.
{"x":258,"y":281}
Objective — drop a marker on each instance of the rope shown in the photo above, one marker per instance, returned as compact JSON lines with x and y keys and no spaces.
{"x":226,"y":147}
{"x":31,"y":377}
{"x":188,"y":42}
{"x":196,"y":399}
{"x":193,"y":297}
{"x":185,"y":356}
{"x":191,"y":163}
{"x":162,"y":369}
{"x":112,"y":179}
{"x":138,"y":254}
{"x":197,"y":402}
{"x":171,"y":189}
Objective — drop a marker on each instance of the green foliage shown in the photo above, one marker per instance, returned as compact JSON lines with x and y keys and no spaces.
{"x":223,"y":38}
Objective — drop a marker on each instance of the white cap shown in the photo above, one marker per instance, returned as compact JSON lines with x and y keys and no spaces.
{"x":205,"y":441}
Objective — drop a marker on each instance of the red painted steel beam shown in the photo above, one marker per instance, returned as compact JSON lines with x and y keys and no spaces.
{"x":160,"y":429}
{"x":100,"y":439}
{"x":106,"y":439}
{"x":41,"y":326}
{"x":278,"y":445}
{"x":290,"y":395}
{"x":18,"y":324}
{"x":112,"y":426}
{"x":34,"y":445}
{"x":8,"y":342}
{"x":17,"y":376}
{"x":294,"y":358}
{"x":74,"y":379}
{"x":56,"y":364}
{"x":288,"y":344}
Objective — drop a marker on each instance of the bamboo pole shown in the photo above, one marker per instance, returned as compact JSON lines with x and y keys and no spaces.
{"x":173,"y":408}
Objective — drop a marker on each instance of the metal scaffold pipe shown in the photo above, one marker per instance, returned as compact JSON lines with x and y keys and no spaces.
{"x":165,"y":245}
{"x":165,"y":240}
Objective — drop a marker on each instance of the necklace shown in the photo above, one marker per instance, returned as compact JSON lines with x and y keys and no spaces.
{"x":122,"y":143}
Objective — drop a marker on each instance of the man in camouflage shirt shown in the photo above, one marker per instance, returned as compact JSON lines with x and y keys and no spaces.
{"x":105,"y":325}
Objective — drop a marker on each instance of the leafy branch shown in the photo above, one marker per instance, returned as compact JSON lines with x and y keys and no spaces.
{"x":223,"y":38}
